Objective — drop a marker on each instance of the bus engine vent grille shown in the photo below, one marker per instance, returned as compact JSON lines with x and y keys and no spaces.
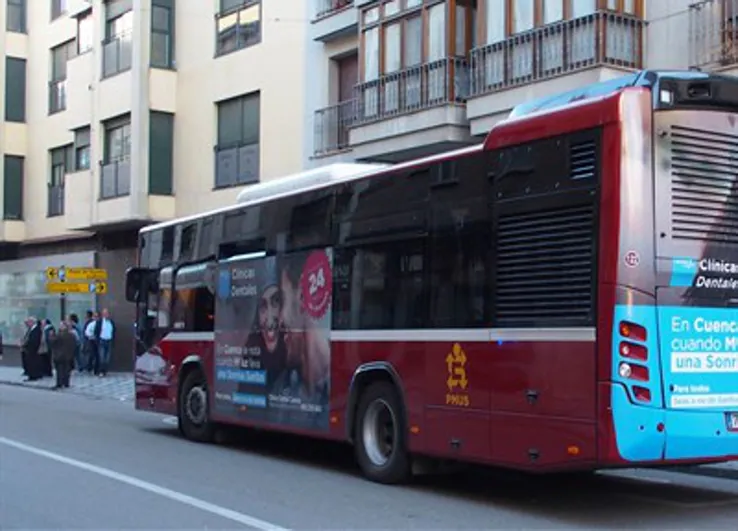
{"x":546,"y":267}
{"x":704,"y":185}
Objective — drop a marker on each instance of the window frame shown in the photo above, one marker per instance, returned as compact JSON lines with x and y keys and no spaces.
{"x":237,"y":7}
{"x":67,"y":50}
{"x":82,"y":146}
{"x":22,"y":7}
{"x":7,"y":201}
{"x":84,"y":19}
{"x":111,"y":128}
{"x":539,"y":19}
{"x":243,"y":140}
{"x":19,"y":113}
{"x":168,"y":34}
{"x":374,"y":16}
{"x":58,"y":9}
{"x":61,"y":162}
{"x":113,"y":35}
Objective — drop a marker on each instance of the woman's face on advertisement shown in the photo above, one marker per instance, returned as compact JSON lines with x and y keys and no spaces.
{"x":270,"y":306}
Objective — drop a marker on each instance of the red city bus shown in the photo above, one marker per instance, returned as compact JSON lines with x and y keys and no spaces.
{"x":562,"y":297}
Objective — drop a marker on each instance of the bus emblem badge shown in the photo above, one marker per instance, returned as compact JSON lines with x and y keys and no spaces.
{"x":632,"y":259}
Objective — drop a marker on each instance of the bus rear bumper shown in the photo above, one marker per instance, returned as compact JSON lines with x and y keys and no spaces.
{"x":654,"y":435}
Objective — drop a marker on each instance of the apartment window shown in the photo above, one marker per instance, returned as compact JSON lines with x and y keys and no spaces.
{"x":238,"y":25}
{"x":82,"y":149}
{"x":162,"y":33}
{"x":61,"y":162}
{"x":13,"y":171}
{"x":117,"y":46}
{"x":118,"y":141}
{"x":502,"y":19}
{"x":237,"y":152}
{"x":408,"y":43}
{"x":526,"y":40}
{"x":58,"y":83}
{"x":15,"y":89}
{"x":116,"y":171}
{"x":395,"y":32}
{"x":85,"y":33}
{"x":58,"y":8}
{"x":16,"y":16}
{"x":161,"y":153}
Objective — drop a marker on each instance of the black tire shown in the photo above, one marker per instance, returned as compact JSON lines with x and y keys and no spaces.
{"x":380,"y":405}
{"x":192,"y":429}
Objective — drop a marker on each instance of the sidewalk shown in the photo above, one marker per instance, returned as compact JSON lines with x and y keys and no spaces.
{"x":116,"y":386}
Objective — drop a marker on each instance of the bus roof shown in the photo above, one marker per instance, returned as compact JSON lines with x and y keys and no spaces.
{"x":298,"y":182}
{"x":652,"y":79}
{"x":314,"y":179}
{"x":324,"y":176}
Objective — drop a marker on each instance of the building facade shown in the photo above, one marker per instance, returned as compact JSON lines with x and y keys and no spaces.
{"x":120,"y":113}
{"x":404,"y":78}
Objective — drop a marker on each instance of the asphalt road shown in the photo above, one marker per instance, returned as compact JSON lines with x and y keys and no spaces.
{"x":70,"y":462}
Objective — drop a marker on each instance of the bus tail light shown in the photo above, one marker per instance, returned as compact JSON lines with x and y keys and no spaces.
{"x":633,"y":351}
{"x":632,"y":331}
{"x":641,"y":394}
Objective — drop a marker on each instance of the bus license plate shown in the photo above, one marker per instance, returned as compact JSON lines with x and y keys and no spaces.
{"x":733,"y":421}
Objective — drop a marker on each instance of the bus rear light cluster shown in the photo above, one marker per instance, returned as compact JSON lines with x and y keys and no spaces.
{"x":632,"y":353}
{"x":641,"y":394}
{"x":633,"y":331}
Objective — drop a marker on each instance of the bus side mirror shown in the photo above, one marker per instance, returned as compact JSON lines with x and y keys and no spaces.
{"x":136,"y":284}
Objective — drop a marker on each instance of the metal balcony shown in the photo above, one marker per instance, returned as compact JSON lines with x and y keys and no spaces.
{"x":600,"y":39}
{"x":713,"y":34}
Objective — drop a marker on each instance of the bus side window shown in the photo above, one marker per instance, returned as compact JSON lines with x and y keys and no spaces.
{"x":380,"y":285}
{"x":194,"y":310}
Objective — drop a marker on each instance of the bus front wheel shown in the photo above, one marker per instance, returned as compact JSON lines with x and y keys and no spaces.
{"x":194,"y":410}
{"x":380,"y":439}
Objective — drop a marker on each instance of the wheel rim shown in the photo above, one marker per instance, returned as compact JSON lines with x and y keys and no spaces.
{"x":196,"y":405}
{"x":379,"y":432}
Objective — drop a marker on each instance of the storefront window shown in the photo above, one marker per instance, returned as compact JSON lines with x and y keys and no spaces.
{"x":23,"y":294}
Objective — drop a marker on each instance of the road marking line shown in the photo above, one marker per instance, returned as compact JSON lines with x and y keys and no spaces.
{"x":150,"y":487}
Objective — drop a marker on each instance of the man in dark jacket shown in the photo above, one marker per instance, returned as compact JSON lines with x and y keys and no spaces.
{"x":63,"y":346}
{"x":29,"y":350}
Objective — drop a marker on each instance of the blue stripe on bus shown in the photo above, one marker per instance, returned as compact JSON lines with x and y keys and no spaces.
{"x":683,"y":271}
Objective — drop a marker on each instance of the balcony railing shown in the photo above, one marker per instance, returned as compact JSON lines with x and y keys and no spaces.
{"x":713,"y":34}
{"x":556,"y":49}
{"x":115,"y":179}
{"x":55,"y":200}
{"x":117,"y":54}
{"x":332,"y":127}
{"x":413,"y":89}
{"x":57,"y":95}
{"x":327,"y":7}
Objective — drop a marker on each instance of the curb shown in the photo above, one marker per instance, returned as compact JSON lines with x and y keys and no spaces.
{"x":72,"y":390}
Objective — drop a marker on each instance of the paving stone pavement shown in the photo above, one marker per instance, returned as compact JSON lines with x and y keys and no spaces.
{"x":116,"y":386}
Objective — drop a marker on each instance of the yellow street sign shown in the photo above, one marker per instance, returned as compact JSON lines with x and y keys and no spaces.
{"x":65,"y":274}
{"x":98,"y":287}
{"x":85,"y":273}
{"x":67,"y":287}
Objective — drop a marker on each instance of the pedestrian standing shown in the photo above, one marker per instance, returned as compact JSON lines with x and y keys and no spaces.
{"x":63,"y":344}
{"x":104,"y":334}
{"x":44,"y":350}
{"x":91,"y":335}
{"x":29,"y":350}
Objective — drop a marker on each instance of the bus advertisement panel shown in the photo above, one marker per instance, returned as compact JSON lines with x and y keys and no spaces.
{"x":272,"y":330}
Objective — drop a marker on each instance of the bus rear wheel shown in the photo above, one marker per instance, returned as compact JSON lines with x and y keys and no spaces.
{"x":194,"y":410}
{"x":380,"y":439}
